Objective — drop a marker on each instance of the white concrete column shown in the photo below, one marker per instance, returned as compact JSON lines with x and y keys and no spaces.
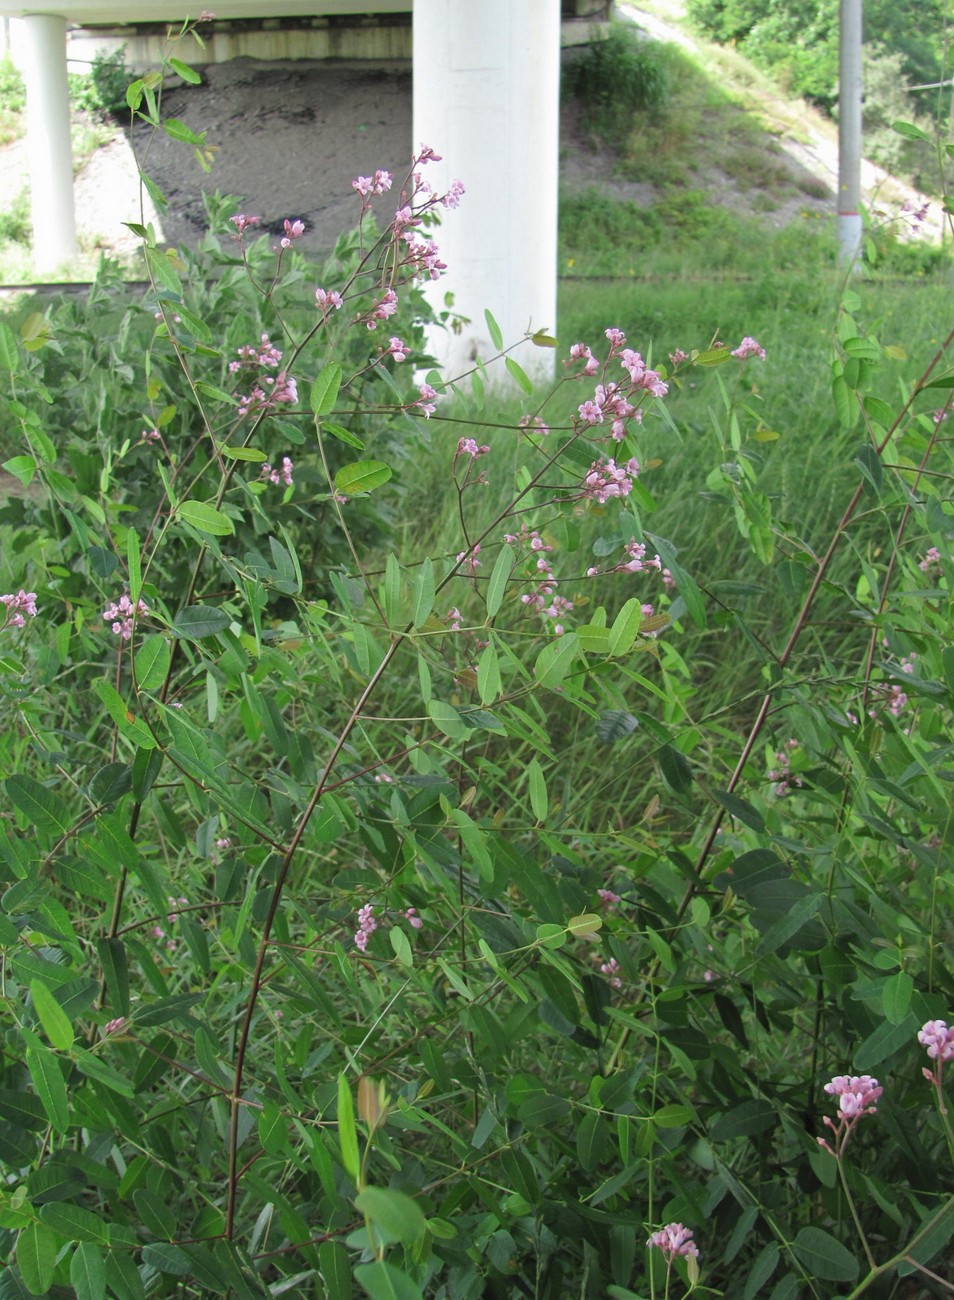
{"x":849,"y":133}
{"x":487,"y":98}
{"x":48,"y":140}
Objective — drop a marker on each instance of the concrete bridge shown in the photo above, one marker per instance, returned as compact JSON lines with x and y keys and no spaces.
{"x":486,"y":96}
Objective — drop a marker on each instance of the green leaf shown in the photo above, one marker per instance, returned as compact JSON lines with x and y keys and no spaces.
{"x":615,"y":724}
{"x":324,"y":390}
{"x":401,"y":945}
{"x":713,"y":357}
{"x":493,"y":329}
{"x":134,"y":565}
{"x":884,"y":1042}
{"x":335,"y":1267}
{"x":198,"y":622}
{"x":489,"y":683}
{"x":151,"y":662}
{"x":133,"y":728}
{"x":55,"y":1021}
{"x":23,"y":468}
{"x":447,"y":719}
{"x":167,"y":1258}
{"x":49,"y":1085}
{"x":499,"y":577}
{"x":45,"y":809}
{"x":844,"y":406}
{"x":555,"y":660}
{"x":382,"y":1281}
{"x":397,"y":1215}
{"x":675,"y":769}
{"x":361,"y":476}
{"x":539,"y":800}
{"x":896,"y":997}
{"x":163,"y":270}
{"x":205,"y":518}
{"x":910,"y":132}
{"x":745,"y":1120}
{"x":675,"y":1115}
{"x":520,"y":375}
{"x":178,"y":130}
{"x":788,"y":926}
{"x":738,"y":808}
{"x":75,"y":1223}
{"x":424,"y":593}
{"x":185,"y":72}
{"x":9,"y":352}
{"x":347,"y":1132}
{"x":343,"y":435}
{"x":37,"y":1248}
{"x":823,"y":1257}
{"x":625,"y":627}
{"x":251,"y":454}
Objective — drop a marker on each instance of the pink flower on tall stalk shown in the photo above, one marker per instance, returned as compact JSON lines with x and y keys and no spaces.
{"x":367,"y":924}
{"x":293,"y":230}
{"x":857,"y":1095}
{"x":674,"y":1240}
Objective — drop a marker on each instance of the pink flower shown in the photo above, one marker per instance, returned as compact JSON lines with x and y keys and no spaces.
{"x":938,"y":1039}
{"x":425,"y":403}
{"x":367,"y":186}
{"x":468,"y":447}
{"x":749,"y":347}
{"x":452,"y":198}
{"x":328,"y":298}
{"x":385,"y":308}
{"x":398,"y":349}
{"x":242,"y":223}
{"x":367,"y":924}
{"x":114,"y":1026}
{"x":607,"y":479}
{"x":24,"y":602}
{"x":121,"y":614}
{"x":674,"y":1240}
{"x":608,"y":898}
{"x":283,"y":475}
{"x":427,"y":155}
{"x":293,"y":230}
{"x":412,"y":918}
{"x":468,"y":559}
{"x":677,"y":357}
{"x":611,"y":970}
{"x":857,"y":1095}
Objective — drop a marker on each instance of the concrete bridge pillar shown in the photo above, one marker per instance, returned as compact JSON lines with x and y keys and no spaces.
{"x":48,"y":140}
{"x":486,"y":97}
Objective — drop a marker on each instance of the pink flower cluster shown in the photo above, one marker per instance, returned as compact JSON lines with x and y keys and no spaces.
{"x":283,"y":475}
{"x":468,"y":447}
{"x":606,"y":479}
{"x":931,"y":564}
{"x":426,"y":402}
{"x":368,"y":923}
{"x":674,"y":1240}
{"x":857,"y":1095}
{"x":938,"y":1038}
{"x":159,"y":933}
{"x":326,"y":298}
{"x":610,"y":969}
{"x":398,"y":349}
{"x":24,"y":602}
{"x":749,"y":347}
{"x":261,"y":356}
{"x":121,"y":614}
{"x":278,"y":390}
{"x":242,"y":223}
{"x":783,"y":776}
{"x":616,"y":403}
{"x":369,"y":186}
{"x":386,"y":307}
{"x":293,"y":230}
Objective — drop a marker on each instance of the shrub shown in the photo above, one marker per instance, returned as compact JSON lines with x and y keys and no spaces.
{"x":618,"y":76}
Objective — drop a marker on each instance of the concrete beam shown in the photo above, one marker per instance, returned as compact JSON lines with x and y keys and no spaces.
{"x":486,"y":97}
{"x":48,"y":141}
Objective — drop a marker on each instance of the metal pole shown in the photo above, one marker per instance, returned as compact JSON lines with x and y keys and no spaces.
{"x":849,"y":133}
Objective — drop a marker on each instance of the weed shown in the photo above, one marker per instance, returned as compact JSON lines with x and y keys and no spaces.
{"x":616,"y":78}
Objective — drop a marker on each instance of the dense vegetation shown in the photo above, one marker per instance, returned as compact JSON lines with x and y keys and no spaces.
{"x":464,"y":841}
